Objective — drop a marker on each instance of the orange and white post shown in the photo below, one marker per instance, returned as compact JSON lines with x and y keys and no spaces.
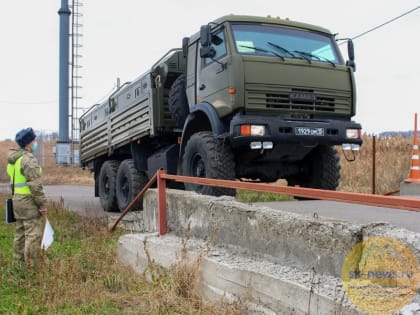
{"x":414,"y":176}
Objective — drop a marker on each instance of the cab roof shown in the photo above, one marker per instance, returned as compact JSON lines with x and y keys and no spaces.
{"x":263,"y":20}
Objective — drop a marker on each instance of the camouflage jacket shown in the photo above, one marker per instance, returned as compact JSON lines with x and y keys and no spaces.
{"x":27,"y":206}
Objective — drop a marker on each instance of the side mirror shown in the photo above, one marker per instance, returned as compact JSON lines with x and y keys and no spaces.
{"x":206,"y":51}
{"x":205,"y":36}
{"x":185,"y":43}
{"x":350,"y":50}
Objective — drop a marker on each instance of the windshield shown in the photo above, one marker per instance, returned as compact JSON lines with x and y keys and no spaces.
{"x":251,"y":39}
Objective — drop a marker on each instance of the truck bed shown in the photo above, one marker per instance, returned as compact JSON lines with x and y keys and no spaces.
{"x":118,"y":121}
{"x":135,"y":110}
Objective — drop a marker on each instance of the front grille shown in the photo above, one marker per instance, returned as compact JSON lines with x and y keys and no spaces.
{"x":311,"y":100}
{"x":282,"y":101}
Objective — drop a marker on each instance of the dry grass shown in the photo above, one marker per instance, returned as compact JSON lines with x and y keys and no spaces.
{"x":393,"y":158}
{"x":81,"y":274}
{"x":179,"y":283}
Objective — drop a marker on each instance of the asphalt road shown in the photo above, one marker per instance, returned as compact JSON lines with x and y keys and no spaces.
{"x":79,"y":199}
{"x":354,"y":213}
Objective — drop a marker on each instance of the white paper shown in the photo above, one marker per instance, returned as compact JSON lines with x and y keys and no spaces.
{"x":48,"y":236}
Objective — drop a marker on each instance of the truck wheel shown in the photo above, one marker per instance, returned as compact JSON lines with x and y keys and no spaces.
{"x":129,"y":182}
{"x":320,"y":169}
{"x":107,"y":181}
{"x":178,"y":103}
{"x":207,"y":156}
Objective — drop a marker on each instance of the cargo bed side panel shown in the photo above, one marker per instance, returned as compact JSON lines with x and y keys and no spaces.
{"x":121,"y":119}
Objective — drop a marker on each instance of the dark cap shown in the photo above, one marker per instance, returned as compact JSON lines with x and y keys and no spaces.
{"x":25,"y":136}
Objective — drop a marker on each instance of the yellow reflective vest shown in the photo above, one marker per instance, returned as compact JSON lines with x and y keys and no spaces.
{"x":21,"y":186}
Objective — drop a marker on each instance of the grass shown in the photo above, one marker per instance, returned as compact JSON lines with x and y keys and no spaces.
{"x":80,"y":274}
{"x":249,"y":196}
{"x":393,"y":158}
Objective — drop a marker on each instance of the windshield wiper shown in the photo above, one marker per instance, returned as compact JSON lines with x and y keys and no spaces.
{"x":282,"y":49}
{"x":304,"y":53}
{"x":263,"y":50}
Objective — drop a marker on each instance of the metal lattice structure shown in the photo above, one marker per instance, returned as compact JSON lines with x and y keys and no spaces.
{"x":76,"y":37}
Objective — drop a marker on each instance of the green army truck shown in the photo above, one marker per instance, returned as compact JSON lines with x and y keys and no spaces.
{"x":245,"y":98}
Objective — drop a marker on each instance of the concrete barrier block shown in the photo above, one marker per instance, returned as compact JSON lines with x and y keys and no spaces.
{"x":274,"y":235}
{"x":131,"y":222}
{"x":409,"y":238}
{"x":263,"y":287}
{"x":270,"y":252}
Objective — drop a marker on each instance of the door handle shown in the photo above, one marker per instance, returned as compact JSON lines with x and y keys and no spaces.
{"x":202,"y":87}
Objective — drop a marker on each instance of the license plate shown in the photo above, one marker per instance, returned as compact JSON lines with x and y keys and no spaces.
{"x":307,"y":131}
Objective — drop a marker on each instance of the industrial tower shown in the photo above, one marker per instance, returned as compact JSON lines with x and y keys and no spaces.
{"x":66,"y":149}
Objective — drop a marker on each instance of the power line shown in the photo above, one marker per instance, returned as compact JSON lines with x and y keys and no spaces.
{"x":387,"y":22}
{"x":28,"y":103}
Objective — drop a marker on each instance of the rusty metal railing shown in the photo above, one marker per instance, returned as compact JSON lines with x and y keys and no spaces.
{"x":397,"y":202}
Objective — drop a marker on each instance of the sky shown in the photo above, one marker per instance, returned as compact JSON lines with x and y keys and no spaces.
{"x":123,"y":38}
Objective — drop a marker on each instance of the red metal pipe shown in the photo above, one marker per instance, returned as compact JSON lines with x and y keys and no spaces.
{"x":161,"y":201}
{"x":412,"y":204}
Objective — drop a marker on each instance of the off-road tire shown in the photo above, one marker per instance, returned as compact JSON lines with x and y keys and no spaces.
{"x":107,"y":183}
{"x":178,"y":102}
{"x":320,"y":169}
{"x":129,"y":182}
{"x":207,"y":156}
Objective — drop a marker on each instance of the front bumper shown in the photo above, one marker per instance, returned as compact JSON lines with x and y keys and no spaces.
{"x":293,"y":131}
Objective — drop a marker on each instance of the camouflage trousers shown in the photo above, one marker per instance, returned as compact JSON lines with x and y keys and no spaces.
{"x":27,"y":242}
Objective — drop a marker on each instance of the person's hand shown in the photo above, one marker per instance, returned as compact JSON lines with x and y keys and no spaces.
{"x":43,"y":211}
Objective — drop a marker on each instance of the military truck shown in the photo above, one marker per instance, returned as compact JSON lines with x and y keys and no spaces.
{"x":255,"y":98}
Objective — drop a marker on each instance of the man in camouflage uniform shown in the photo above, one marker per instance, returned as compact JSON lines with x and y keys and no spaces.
{"x":29,"y":199}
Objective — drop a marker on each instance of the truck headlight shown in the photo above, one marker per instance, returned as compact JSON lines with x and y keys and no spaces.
{"x":353,"y":133}
{"x":252,"y":130}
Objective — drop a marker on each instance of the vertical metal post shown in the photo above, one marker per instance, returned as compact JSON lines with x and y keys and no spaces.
{"x":374,"y":165}
{"x":161,"y":183}
{"x":64,"y":13}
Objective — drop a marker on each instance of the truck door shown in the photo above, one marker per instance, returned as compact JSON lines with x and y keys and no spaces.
{"x":212,"y":78}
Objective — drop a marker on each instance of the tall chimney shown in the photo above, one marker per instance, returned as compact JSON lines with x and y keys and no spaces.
{"x":63,"y":131}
